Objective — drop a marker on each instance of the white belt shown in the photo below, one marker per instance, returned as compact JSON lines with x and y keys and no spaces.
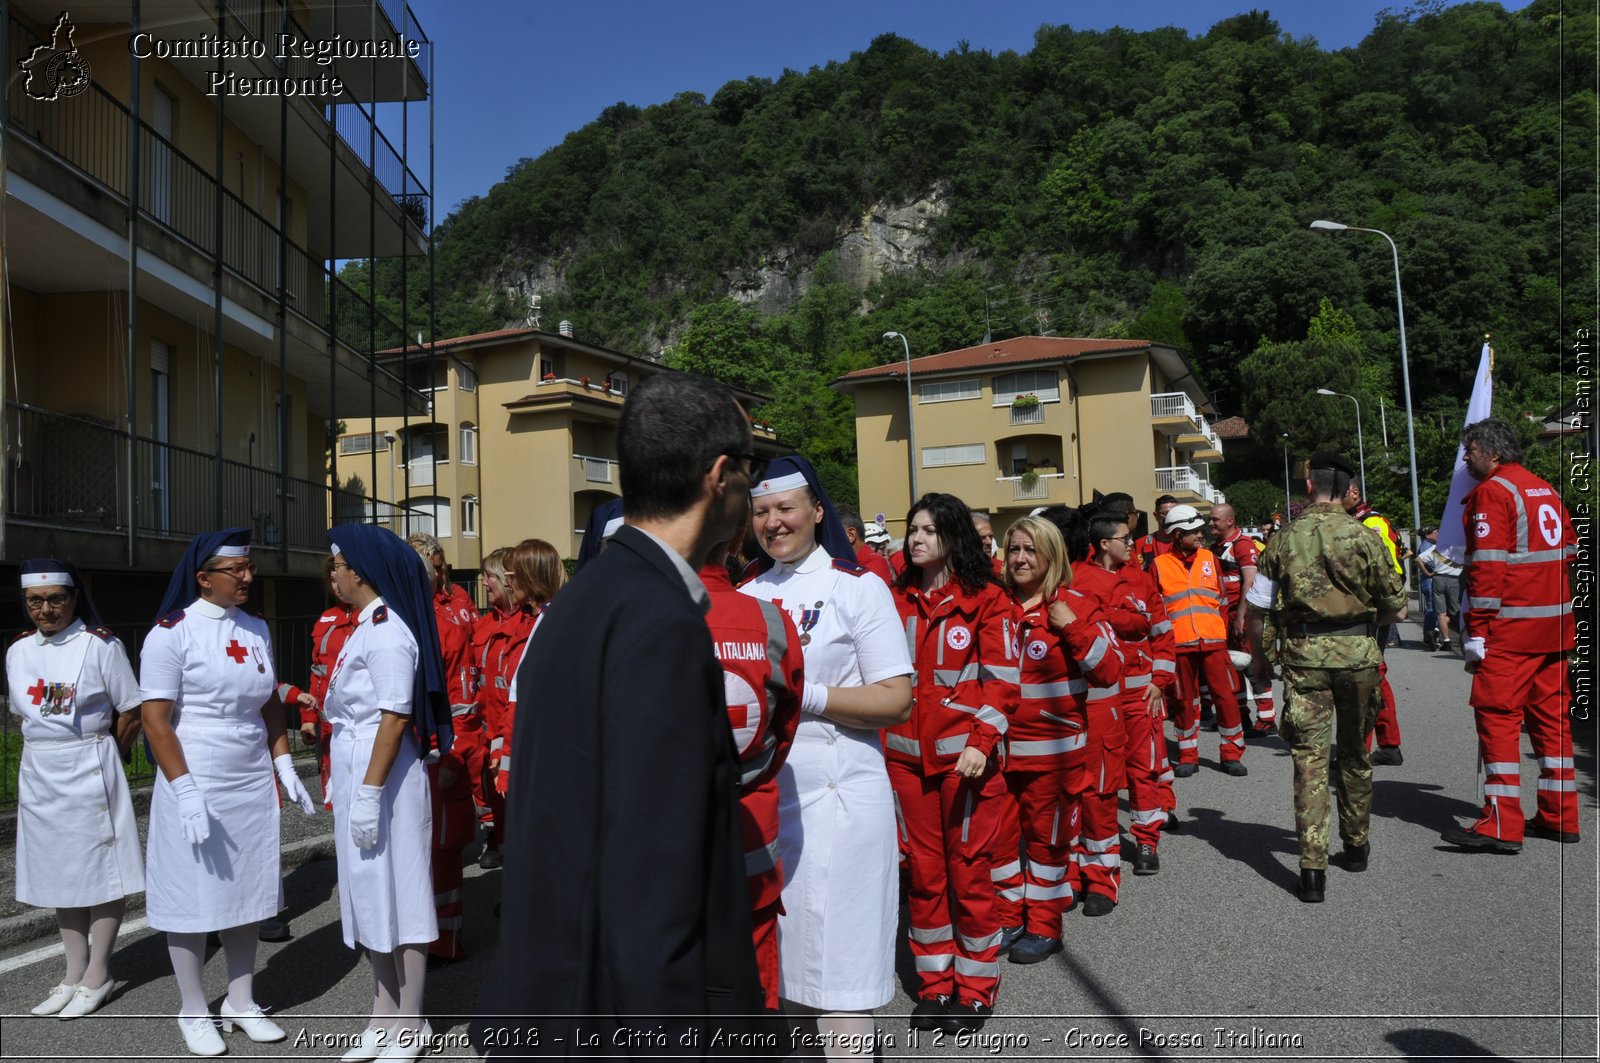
{"x":185,"y":720}
{"x":65,"y":740}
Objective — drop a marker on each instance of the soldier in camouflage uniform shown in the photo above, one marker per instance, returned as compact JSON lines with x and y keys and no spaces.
{"x":1327,"y":582}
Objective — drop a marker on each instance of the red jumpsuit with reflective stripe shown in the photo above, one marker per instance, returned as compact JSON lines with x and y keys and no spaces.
{"x":1518,"y":600}
{"x":763,"y":673}
{"x":1135,"y":620}
{"x":453,"y":820}
{"x":961,"y":645}
{"x":1387,"y":728}
{"x":518,"y":629}
{"x":328,"y":637}
{"x":485,"y":630}
{"x":1235,"y":554}
{"x":496,"y":665}
{"x":1191,"y":589}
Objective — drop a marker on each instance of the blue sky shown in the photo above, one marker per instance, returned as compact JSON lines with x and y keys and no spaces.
{"x":513,"y":77}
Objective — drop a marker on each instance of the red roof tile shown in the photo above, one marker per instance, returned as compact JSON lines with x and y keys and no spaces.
{"x":1231,"y":428}
{"x":1021,"y":350}
{"x":457,"y":341}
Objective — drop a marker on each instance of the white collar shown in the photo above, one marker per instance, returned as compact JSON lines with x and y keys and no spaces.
{"x":367,"y":610}
{"x":210,"y":610}
{"x":65,"y":635}
{"x":817,"y":560}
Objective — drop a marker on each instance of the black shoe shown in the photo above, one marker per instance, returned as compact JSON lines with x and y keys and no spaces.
{"x":1388,"y":755}
{"x":966,"y":1017}
{"x":1430,"y":643}
{"x":1355,"y":856}
{"x":930,"y":1012}
{"x":273,"y":930}
{"x":1313,"y":880}
{"x":1173,"y":823}
{"x":1034,"y":947}
{"x":1565,"y":837}
{"x":1009,"y":936}
{"x":1235,"y":768}
{"x":1098,"y":904}
{"x":490,"y":860}
{"x":1145,"y":861}
{"x":1183,"y":771}
{"x":1471,"y":839}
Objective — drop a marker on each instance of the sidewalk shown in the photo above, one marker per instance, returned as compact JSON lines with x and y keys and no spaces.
{"x":303,"y":838}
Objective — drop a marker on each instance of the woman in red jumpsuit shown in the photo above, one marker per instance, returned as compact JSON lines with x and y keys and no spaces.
{"x":533,"y":575}
{"x":944,"y":763}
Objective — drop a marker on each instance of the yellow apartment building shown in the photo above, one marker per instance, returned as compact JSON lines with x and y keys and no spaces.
{"x":174,"y":341}
{"x":1034,"y":421}
{"x":519,"y":441}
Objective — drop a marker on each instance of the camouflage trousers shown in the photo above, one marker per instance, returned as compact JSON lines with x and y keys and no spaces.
{"x":1341,"y":703}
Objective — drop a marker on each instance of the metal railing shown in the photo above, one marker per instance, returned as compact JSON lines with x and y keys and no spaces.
{"x":597,"y":470}
{"x":1028,"y":414}
{"x":1184,"y":478}
{"x":1021,"y":490}
{"x":1172,"y":404}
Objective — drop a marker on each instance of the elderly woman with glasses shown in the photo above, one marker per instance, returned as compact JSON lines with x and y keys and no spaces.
{"x":218,"y":734}
{"x":77,"y":841}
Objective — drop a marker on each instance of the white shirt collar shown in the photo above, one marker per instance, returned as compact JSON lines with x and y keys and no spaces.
{"x":815,"y":561}
{"x":368,"y":610}
{"x":66,"y":634}
{"x":210,"y":610}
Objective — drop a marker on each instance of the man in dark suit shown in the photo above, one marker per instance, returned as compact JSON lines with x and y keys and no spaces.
{"x":626,"y":927}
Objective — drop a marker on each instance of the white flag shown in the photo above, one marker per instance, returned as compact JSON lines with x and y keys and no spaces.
{"x":1452,"y":536}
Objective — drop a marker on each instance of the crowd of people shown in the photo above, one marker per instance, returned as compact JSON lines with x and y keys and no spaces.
{"x":712,"y":764}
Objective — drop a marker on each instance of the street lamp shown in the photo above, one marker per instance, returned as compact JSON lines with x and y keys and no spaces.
{"x":1361,"y":447}
{"x":389,"y":437}
{"x":1405,"y":366}
{"x":911,"y":420}
{"x":1286,"y":503}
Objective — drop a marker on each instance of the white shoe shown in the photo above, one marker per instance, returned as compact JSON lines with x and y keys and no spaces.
{"x":201,"y":1037}
{"x":86,"y":1000}
{"x":408,"y":1044}
{"x":253,"y":1022}
{"x":56,"y":1000}
{"x":372,"y":1042}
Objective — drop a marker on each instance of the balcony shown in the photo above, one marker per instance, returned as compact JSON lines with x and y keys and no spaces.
{"x":1173,"y":413}
{"x":597,"y":470}
{"x":1044,"y":488}
{"x":1183,"y":479}
{"x":1028,"y":414}
{"x":1202,"y":442}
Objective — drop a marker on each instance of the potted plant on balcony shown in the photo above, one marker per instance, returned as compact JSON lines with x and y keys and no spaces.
{"x":1029,"y":479}
{"x":583,"y":381}
{"x":549,"y":378}
{"x":1025,"y":402}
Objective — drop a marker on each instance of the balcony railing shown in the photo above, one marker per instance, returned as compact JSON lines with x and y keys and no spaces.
{"x":597,"y":470}
{"x":71,"y":472}
{"x":1027,"y":414}
{"x":1168,"y":405}
{"x":1040,"y":488}
{"x":1184,"y":478}
{"x":1213,"y":440}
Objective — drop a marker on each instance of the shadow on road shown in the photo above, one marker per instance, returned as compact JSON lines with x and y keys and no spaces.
{"x":1421,"y":804}
{"x":1251,"y":844}
{"x":1439,"y":1046}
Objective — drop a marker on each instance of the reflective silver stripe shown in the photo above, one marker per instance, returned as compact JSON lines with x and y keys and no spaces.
{"x":988,"y":941}
{"x":1161,"y":628}
{"x":1096,"y":654}
{"x":945,"y":747}
{"x":1100,"y":845}
{"x":1535,"y":612}
{"x":1063,"y":689}
{"x":1005,"y":871}
{"x":1100,"y":860}
{"x":461,"y":710}
{"x":1145,"y":817}
{"x":1101,"y":694}
{"x":1522,"y":511}
{"x":1230,"y":731}
{"x":1188,"y":743}
{"x":1003,"y":673}
{"x":757,"y":766}
{"x":932,"y":935}
{"x":976,"y":968}
{"x":319,"y":670}
{"x":987,"y":714}
{"x":1202,"y":609}
{"x":496,"y":743}
{"x":938,"y":657}
{"x":966,"y":819}
{"x":940,"y":962}
{"x":911,"y":641}
{"x":1013,"y":894}
{"x":1555,"y":762}
{"x":1046,"y":872}
{"x":759,"y":861}
{"x":1483,"y":603}
{"x":1539,"y":557}
{"x":1162,"y":664}
{"x":1499,"y":790}
{"x":777,"y":645}
{"x":1559,"y":785}
{"x":1502,"y":767}
{"x":902,"y":744}
{"x":500,"y":682}
{"x":1134,"y":682}
{"x":948,"y":678}
{"x":1045,"y":747}
{"x":1035,"y":891}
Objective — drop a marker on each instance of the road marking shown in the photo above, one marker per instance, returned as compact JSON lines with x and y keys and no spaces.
{"x":27,"y":959}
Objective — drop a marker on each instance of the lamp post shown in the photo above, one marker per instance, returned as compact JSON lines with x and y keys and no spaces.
{"x":1361,"y":447}
{"x":1405,"y":366}
{"x":911,"y":418}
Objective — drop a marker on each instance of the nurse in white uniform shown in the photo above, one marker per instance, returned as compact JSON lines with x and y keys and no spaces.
{"x":836,"y":831}
{"x":389,"y":710}
{"x":217,"y":732}
{"x":77,"y":841}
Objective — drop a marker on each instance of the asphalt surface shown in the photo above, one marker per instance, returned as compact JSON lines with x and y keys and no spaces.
{"x":1431,"y":954}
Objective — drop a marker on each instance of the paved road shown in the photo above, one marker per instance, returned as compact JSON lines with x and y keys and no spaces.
{"x":1432,"y":953}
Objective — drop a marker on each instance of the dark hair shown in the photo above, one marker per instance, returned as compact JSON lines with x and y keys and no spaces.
{"x":1117,"y":501}
{"x":1329,"y":483}
{"x":673,"y":428}
{"x":1495,"y":437}
{"x":1163,"y":500}
{"x":1074,"y":529}
{"x":851,"y":520}
{"x":1102,"y":524}
{"x":969,"y":566}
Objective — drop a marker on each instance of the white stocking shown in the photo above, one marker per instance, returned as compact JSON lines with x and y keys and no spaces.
{"x":74,"y":924}
{"x":412,"y":964}
{"x":841,"y":1029}
{"x":239,"y":946}
{"x":385,"y":990}
{"x":188,"y":954}
{"x":105,"y":921}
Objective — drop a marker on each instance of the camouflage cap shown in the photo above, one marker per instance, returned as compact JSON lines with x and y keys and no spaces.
{"x":1327,"y":459}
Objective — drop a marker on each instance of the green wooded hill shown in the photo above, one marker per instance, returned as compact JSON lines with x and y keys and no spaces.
{"x":1154,"y":185}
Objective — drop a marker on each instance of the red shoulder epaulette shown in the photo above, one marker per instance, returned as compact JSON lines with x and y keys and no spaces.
{"x":855,"y":568}
{"x":380,"y":614}
{"x":19,"y":636}
{"x":171,"y":619}
{"x":751,"y":571}
{"x":104,"y":634}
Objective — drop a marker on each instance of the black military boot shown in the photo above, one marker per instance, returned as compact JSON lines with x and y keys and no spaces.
{"x":1355,"y":856}
{"x":1313,"y":880}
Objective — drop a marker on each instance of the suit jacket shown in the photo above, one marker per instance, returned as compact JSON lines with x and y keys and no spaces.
{"x":624,"y":897}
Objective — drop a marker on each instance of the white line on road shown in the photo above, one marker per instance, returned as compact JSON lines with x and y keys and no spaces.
{"x":27,"y":959}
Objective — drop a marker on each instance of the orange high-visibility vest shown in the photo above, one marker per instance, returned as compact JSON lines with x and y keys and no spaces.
{"x":1192,"y":594}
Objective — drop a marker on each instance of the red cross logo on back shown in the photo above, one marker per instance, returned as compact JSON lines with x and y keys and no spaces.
{"x":37,"y":692}
{"x":237,"y":652}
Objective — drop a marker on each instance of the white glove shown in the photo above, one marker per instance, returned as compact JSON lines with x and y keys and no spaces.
{"x":194,"y":818}
{"x":813,"y":699}
{"x":1473,"y":650}
{"x":364,"y":817}
{"x":292,"y":787}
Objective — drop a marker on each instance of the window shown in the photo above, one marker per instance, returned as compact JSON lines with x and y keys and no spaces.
{"x":619,"y":383}
{"x":469,"y":516}
{"x":362,"y":444}
{"x":469,"y":443}
{"x":1044,"y":384}
{"x":547,"y":367}
{"x":963,"y":454}
{"x":466,"y":377}
{"x":438,"y":509}
{"x":950,"y":390}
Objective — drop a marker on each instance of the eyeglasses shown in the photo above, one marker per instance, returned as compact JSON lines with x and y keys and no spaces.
{"x":1119,"y":539}
{"x":35,"y":602}
{"x":236,"y":571}
{"x":337,"y":565}
{"x":754,"y":466}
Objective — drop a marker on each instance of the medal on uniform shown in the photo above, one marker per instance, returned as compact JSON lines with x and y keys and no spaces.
{"x":60,"y":699}
{"x":255,"y":655}
{"x":808,"y":620}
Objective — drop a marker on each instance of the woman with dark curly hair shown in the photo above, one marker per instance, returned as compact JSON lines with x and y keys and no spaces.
{"x":944,"y":764}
